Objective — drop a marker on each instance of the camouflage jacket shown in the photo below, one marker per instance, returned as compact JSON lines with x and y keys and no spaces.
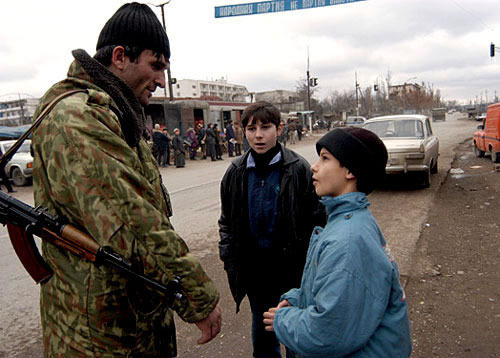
{"x":86,"y":171}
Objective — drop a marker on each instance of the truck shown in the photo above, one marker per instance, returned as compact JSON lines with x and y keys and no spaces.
{"x":439,"y":114}
{"x":487,"y":138}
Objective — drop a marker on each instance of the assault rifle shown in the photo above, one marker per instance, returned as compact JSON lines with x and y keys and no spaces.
{"x":23,"y":221}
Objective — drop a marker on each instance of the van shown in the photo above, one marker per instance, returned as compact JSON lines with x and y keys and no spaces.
{"x":355,"y":121}
{"x":487,"y":138}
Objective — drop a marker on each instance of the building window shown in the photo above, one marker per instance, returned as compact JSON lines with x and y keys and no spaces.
{"x":194,"y":94}
{"x":178,"y":94}
{"x":194,"y":86}
{"x":178,"y":86}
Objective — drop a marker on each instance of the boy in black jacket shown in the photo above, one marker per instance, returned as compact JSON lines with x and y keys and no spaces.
{"x":269,"y":208}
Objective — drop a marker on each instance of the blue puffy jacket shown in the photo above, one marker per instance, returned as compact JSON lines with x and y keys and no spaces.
{"x":350,"y":302}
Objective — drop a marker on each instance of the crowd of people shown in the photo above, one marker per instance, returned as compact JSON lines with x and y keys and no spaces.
{"x":198,"y":142}
{"x":211,"y":142}
{"x":297,"y":240}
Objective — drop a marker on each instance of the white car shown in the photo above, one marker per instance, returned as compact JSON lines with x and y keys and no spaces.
{"x":355,"y":121}
{"x":20,"y":166}
{"x":410,"y":143}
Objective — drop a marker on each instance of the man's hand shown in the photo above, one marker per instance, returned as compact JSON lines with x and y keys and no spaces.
{"x":210,"y":326}
{"x":269,"y":315}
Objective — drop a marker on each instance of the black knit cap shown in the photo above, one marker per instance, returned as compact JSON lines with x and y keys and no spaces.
{"x":359,"y":150}
{"x":135,"y":25}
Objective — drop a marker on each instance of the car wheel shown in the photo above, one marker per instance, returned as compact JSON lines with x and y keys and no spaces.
{"x":434,"y":168}
{"x":427,"y":178}
{"x":479,"y":153}
{"x":18,"y":177}
{"x":494,"y":156}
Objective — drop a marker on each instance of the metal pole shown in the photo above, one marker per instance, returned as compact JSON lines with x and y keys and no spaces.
{"x":356,"y":86}
{"x":169,"y":75}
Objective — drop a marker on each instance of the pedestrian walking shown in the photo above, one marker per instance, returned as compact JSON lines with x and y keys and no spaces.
{"x":179,"y":149}
{"x":268,"y":209}
{"x":93,"y":167}
{"x":283,"y":133}
{"x":292,"y":132}
{"x":350,"y":302}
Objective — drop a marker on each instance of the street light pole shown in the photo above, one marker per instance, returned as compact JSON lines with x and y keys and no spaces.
{"x":169,"y":75}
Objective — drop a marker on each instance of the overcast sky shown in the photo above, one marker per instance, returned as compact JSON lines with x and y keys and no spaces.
{"x":444,"y":43}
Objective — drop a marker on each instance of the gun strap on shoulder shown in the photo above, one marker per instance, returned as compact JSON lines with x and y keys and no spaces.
{"x":13,"y":149}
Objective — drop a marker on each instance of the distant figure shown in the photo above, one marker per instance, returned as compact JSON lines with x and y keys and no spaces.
{"x":283,"y":136}
{"x":161,"y":142}
{"x":292,"y":132}
{"x":192,"y":143}
{"x":202,"y":137}
{"x":167,"y":151}
{"x":238,"y":135}
{"x":210,"y":135}
{"x":230,"y":138}
{"x":218,"y":140}
{"x":179,"y":150}
{"x":299,"y":130}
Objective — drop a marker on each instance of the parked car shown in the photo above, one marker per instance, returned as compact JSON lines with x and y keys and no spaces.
{"x":20,"y":167}
{"x":355,"y":121}
{"x":410,"y":143}
{"x":487,"y":138}
{"x":481,"y":117}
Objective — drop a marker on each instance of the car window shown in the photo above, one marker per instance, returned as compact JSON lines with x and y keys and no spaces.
{"x":397,"y":129}
{"x":429,"y":129}
{"x":25,"y":147}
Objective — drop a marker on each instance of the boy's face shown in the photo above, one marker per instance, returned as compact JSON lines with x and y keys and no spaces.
{"x":261,"y":136}
{"x":330,"y":178}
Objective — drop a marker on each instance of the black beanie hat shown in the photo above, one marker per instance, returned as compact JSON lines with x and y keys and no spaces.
{"x":135,"y":25}
{"x":359,"y":150}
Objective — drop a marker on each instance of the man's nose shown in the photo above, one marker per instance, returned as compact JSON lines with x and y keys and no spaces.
{"x":160,"y":80}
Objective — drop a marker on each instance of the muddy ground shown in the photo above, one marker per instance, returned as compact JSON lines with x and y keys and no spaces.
{"x":454,"y":294}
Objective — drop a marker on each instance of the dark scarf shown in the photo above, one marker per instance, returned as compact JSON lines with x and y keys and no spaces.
{"x":262,"y":160}
{"x":130,"y":111}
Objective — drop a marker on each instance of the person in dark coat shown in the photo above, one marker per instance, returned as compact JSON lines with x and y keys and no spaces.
{"x":230,"y":138}
{"x":160,"y":140}
{"x":166,"y":160}
{"x":202,"y":138}
{"x":299,"y":127}
{"x":218,"y":140}
{"x":179,"y":150}
{"x":268,"y":209}
{"x":210,"y":142}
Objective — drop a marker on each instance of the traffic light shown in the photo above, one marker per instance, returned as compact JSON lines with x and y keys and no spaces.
{"x":375,"y":88}
{"x":313,"y":82}
{"x":492,"y":50}
{"x":173,"y":81}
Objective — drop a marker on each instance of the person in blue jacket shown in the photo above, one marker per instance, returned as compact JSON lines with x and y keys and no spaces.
{"x":350,"y":301}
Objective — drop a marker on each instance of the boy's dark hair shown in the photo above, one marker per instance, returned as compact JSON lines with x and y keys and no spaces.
{"x":264,"y":111}
{"x":359,"y":150}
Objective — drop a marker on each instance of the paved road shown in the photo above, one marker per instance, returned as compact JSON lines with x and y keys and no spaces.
{"x":194,"y":190}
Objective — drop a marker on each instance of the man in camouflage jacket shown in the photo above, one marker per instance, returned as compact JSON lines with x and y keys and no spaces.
{"x":93,"y":167}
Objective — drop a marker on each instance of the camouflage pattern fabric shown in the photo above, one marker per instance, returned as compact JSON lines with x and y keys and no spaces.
{"x":85,"y":171}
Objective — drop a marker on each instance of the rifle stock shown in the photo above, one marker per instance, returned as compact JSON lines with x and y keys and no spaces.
{"x":23,"y":221}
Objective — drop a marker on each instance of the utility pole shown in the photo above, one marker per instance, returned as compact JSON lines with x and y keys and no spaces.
{"x":308,"y":84}
{"x":169,"y":75}
{"x":356,"y":87}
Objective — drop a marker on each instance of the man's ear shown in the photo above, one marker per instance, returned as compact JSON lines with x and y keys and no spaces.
{"x":118,"y":58}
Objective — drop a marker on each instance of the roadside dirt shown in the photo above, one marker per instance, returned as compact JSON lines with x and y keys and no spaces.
{"x":454,"y":293}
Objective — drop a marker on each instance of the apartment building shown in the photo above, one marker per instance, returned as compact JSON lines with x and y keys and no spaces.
{"x":218,"y":88}
{"x":17,"y":112}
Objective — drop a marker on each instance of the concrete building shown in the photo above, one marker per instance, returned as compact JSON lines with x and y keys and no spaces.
{"x":17,"y":112}
{"x":404,"y":90}
{"x":197,"y":89}
{"x":285,"y":101}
